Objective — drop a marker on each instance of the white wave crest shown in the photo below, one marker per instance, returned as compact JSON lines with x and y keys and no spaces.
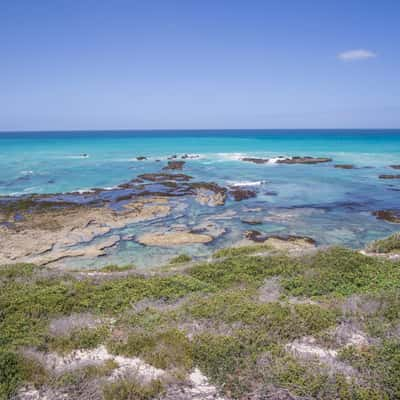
{"x":246,"y":183}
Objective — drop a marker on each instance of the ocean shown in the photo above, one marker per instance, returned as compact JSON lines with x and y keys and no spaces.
{"x":332,"y":205}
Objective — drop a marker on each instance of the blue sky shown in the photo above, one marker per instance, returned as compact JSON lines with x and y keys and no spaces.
{"x":199,"y":64}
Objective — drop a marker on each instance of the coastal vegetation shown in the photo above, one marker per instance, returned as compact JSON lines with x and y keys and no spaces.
{"x":321,"y":324}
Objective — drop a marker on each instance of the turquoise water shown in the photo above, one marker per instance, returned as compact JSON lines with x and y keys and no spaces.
{"x":332,"y":205}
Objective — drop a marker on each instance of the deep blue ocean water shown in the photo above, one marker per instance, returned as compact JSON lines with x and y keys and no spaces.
{"x":332,"y":205}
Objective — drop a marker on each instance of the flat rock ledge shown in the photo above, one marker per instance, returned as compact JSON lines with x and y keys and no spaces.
{"x":173,"y":238}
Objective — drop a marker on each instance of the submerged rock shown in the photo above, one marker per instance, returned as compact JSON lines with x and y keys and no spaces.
{"x":240,"y":194}
{"x":388,"y":176}
{"x":160,"y":177}
{"x":210,"y":194}
{"x":388,"y":215}
{"x":303,"y":160}
{"x":395,"y":166}
{"x":166,"y":239}
{"x":255,"y":160}
{"x":255,"y":236}
{"x":344,"y":166}
{"x":175,"y":165}
{"x":251,"y":221}
{"x":259,"y":237}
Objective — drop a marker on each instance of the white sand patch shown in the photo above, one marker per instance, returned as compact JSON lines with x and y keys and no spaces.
{"x":200,"y":388}
{"x":307,"y":349}
{"x":82,"y":358}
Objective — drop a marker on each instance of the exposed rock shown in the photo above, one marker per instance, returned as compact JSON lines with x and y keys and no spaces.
{"x":141,"y":158}
{"x":160,"y":177}
{"x":396,"y":166}
{"x":166,"y":239}
{"x":209,"y":228}
{"x":255,"y":236}
{"x":209,"y":194}
{"x":92,"y":251}
{"x":175,"y":165}
{"x":189,"y":156}
{"x":388,"y":176}
{"x":255,"y":160}
{"x":172,"y":157}
{"x":303,"y":160}
{"x":240,"y":194}
{"x":45,"y":237}
{"x":388,"y":215}
{"x":251,"y":221}
{"x":344,"y":166}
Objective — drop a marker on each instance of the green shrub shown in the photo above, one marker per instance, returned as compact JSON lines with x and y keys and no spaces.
{"x":218,"y":356}
{"x":11,"y":373}
{"x":274,"y":321}
{"x":78,"y":339}
{"x":240,"y":251}
{"x":387,"y":245}
{"x":116,"y":268}
{"x":244,"y":269}
{"x":343,"y":272}
{"x":182,"y":258}
{"x":380,"y":364}
{"x":162,"y":349}
{"x":130,"y":388}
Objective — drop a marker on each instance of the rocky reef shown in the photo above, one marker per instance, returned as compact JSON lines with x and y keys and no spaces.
{"x":174,"y":165}
{"x":255,"y":160}
{"x":389,"y":176}
{"x":388,"y":215}
{"x":344,"y":166}
{"x":303,"y":160}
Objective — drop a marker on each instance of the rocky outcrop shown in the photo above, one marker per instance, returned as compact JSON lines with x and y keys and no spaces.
{"x":388,"y":176}
{"x":175,"y":165}
{"x":160,"y":177}
{"x":255,"y":160}
{"x":240,"y":194}
{"x":388,"y":215}
{"x":141,"y":158}
{"x":303,"y":160}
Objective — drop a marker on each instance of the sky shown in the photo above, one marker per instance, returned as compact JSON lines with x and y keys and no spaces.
{"x":170,"y":64}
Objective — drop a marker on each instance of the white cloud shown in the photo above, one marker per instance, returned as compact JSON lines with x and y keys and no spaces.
{"x":356,"y":55}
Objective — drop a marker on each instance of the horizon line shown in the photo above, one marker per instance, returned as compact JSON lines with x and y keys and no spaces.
{"x":189,"y":129}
